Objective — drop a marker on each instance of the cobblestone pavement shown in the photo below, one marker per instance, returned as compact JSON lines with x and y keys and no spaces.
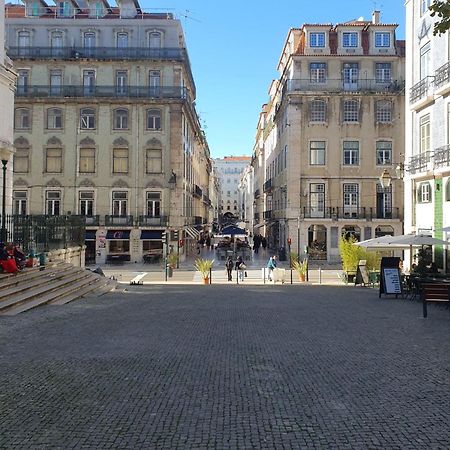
{"x":227,"y":367}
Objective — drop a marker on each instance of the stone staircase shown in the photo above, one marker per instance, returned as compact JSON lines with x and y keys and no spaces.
{"x":59,"y":283}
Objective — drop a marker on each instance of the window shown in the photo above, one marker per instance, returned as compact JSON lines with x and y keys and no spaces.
{"x":53,"y":203}
{"x":317,"y":199}
{"x":53,"y":160}
{"x":87,"y":119}
{"x":351,"y":199}
{"x":351,"y":110}
{"x":383,"y":72}
{"x":120,"y":160}
{"x":20,"y":202}
{"x":121,"y":82}
{"x":87,"y":160}
{"x":425,"y":66}
{"x":384,"y":153}
{"x":56,"y":42}
{"x":384,"y":202}
{"x":154,"y":39}
{"x":22,"y":119}
{"x":121,"y":119}
{"x":154,"y":204}
{"x":351,"y":153}
{"x":24,"y":43}
{"x":21,"y":160}
{"x":89,"y":43}
{"x":64,"y":9}
{"x":119,"y":203}
{"x":317,"y":39}
{"x":154,"y":82}
{"x":318,"y":72}
{"x":55,"y":82}
{"x":425,"y":134}
{"x":154,"y":160}
{"x":22,"y":82}
{"x":153,"y":119}
{"x":88,"y":82}
{"x":54,"y":119}
{"x":382,"y":39}
{"x":122,"y":40}
{"x":424,"y":193}
{"x":86,"y":203}
{"x":424,"y":5}
{"x":384,"y":111}
{"x":350,"y":75}
{"x":350,"y":39}
{"x":317,"y":153}
{"x":318,"y":111}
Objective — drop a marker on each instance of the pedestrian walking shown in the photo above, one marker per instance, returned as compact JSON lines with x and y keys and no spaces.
{"x":256,"y":243}
{"x":229,"y":266}
{"x":264,"y":243}
{"x":271,"y":265}
{"x":240,"y":267}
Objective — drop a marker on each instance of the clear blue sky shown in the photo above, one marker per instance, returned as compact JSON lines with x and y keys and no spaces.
{"x":234,"y":48}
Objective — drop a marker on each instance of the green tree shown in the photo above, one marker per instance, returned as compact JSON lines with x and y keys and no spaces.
{"x":441,"y":8}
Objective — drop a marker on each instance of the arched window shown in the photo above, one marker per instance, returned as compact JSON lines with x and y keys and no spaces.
{"x":87,"y":119}
{"x":121,"y":119}
{"x":22,"y":119}
{"x":153,"y":119}
{"x":54,"y":119}
{"x":155,"y":39}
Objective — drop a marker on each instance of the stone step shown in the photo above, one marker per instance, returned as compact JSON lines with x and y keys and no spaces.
{"x":43,"y":293}
{"x":97,"y":286}
{"x":35,"y":280}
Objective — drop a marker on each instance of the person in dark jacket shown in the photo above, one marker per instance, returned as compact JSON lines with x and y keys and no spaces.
{"x":240,"y":267}
{"x":229,"y":264}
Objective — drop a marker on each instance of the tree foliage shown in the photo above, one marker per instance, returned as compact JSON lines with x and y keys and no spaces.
{"x":441,"y":9}
{"x":351,"y":255}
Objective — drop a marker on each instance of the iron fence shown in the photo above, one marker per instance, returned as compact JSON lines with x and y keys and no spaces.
{"x":45,"y":233}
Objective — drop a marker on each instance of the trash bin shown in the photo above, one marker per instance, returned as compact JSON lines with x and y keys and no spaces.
{"x":282,"y":254}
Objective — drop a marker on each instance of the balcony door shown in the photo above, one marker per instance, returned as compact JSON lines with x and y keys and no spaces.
{"x":384,"y":202}
{"x":88,"y":82}
{"x":317,"y":199}
{"x":351,"y":200}
{"x":350,"y":76}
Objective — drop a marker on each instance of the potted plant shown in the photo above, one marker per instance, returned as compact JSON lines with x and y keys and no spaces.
{"x":204,"y":266}
{"x":172,"y":259}
{"x":301,"y":267}
{"x":350,"y":256}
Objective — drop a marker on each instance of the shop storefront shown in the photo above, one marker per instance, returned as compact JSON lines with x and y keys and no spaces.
{"x":118,"y":245}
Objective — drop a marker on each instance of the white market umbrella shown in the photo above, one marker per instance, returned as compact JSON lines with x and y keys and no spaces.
{"x":379,"y":242}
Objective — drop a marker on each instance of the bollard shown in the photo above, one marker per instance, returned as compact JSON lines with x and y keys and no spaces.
{"x":264,"y":276}
{"x":210,"y":276}
{"x":291,"y":275}
{"x":237,"y":276}
{"x":320,"y":275}
{"x":165,"y":268}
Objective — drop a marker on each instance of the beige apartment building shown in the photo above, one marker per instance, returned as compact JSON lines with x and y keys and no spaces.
{"x":106,"y":126}
{"x":334,"y":122}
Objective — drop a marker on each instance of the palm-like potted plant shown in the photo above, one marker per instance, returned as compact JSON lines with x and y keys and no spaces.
{"x":204,"y":266}
{"x":301,"y":267}
{"x":172,"y":259}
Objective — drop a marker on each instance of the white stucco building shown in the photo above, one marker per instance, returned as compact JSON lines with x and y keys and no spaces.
{"x":427,"y":126}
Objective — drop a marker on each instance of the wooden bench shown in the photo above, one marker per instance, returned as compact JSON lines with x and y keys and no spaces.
{"x":434,"y":292}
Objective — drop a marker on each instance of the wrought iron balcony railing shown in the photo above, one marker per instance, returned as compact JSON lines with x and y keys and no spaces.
{"x":441,"y":156}
{"x":420,"y":89}
{"x":442,"y":75}
{"x":114,"y":220}
{"x":340,"y":85}
{"x":419,"y":163}
{"x":152,"y":221}
{"x":92,"y":220}
{"x":317,"y":213}
{"x":267,"y":185}
{"x":75,"y":91}
{"x":99,"y":53}
{"x":349,"y":212}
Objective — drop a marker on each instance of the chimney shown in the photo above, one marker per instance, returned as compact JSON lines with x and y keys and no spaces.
{"x":376,"y":17}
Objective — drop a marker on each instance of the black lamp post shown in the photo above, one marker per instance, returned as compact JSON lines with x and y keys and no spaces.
{"x":4,"y":155}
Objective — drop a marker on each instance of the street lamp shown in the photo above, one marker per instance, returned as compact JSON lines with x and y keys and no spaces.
{"x":4,"y":156}
{"x":385,"y":179}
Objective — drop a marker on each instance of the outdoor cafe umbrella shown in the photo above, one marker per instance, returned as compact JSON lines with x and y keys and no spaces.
{"x":233,"y":230}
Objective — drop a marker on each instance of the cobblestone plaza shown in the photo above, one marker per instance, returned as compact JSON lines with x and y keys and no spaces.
{"x":222,"y":366}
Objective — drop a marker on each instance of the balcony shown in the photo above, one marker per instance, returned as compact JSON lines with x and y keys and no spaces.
{"x":267,"y":215}
{"x":419,"y":163}
{"x":339,"y":85}
{"x":442,"y":79}
{"x":92,"y":221}
{"x":316,"y":213}
{"x":114,"y":221}
{"x":268,"y":185}
{"x":98,"y":53}
{"x":153,"y":221}
{"x":386,"y":213}
{"x":197,"y":191}
{"x":442,"y":157}
{"x":257,"y":193}
{"x":45,"y":91}
{"x":421,"y":92}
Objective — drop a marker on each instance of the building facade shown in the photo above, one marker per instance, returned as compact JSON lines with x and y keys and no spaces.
{"x":333,"y":124}
{"x":7,"y":87}
{"x":229,"y":170}
{"x":106,"y":126}
{"x":427,"y":146}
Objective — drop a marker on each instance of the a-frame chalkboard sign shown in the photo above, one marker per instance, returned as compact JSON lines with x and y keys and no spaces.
{"x":390,"y":277}
{"x":362,"y":276}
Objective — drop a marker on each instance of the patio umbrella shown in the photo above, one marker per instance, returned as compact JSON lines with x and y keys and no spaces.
{"x":379,"y":242}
